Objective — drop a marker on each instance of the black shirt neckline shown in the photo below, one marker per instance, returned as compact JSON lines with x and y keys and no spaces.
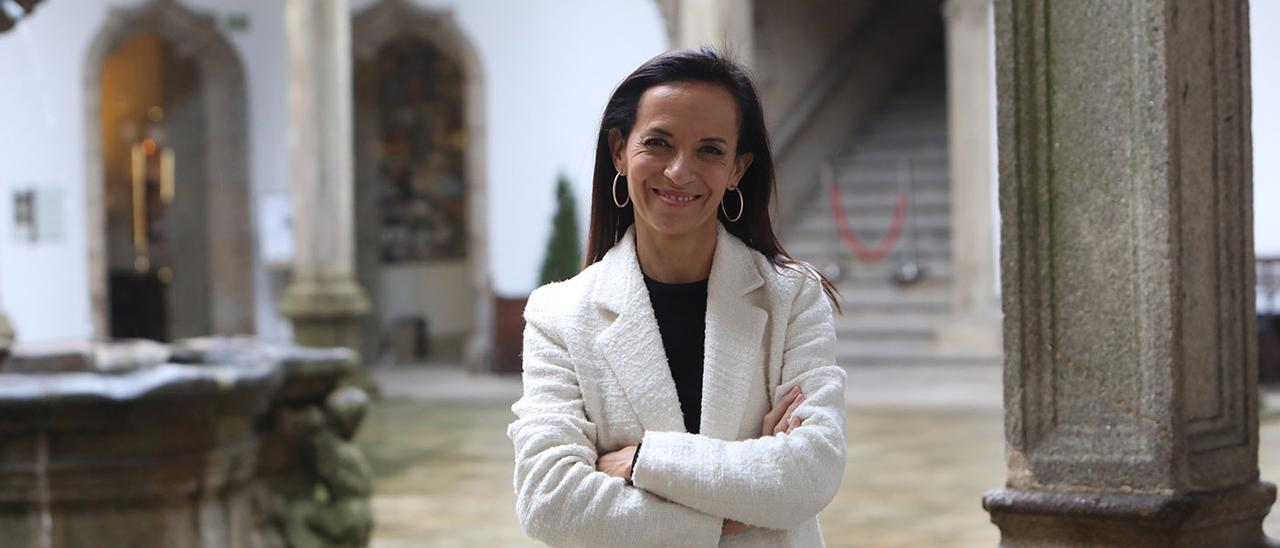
{"x":687,"y":286}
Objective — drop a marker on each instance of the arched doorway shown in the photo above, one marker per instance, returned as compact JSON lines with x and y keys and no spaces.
{"x":421,"y":249}
{"x":170,"y":244}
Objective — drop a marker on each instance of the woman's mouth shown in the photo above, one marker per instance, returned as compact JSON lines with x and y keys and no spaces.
{"x":676,"y":199}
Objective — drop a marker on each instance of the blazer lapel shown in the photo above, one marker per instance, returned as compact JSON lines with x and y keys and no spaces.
{"x":632,"y":344}
{"x":734,"y":337}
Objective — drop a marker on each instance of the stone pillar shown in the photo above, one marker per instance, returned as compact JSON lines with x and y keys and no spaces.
{"x":727,"y":25}
{"x":1127,"y":269}
{"x":971,"y":140}
{"x":323,"y":299}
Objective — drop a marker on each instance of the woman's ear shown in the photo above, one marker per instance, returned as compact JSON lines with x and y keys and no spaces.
{"x":740,"y":165}
{"x":617,"y":148}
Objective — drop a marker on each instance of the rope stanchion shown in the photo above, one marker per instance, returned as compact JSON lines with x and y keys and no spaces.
{"x":851,"y":239}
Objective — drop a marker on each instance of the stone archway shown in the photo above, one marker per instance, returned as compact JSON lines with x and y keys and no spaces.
{"x":195,"y":38}
{"x":372,"y":30}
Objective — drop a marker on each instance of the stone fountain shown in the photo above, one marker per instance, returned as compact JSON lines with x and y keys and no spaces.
{"x":205,"y":443}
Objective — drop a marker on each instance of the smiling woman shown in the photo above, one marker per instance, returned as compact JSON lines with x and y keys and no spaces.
{"x":682,"y":389}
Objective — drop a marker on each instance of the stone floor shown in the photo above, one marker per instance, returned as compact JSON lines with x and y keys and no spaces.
{"x":924,"y":444}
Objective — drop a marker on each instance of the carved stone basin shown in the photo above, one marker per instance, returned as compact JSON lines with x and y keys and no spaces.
{"x":141,"y":444}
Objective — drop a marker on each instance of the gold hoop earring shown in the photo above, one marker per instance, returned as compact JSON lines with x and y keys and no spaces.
{"x":741,"y":206}
{"x":614,"y":192}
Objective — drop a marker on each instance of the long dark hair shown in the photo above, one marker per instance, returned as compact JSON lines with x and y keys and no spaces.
{"x":609,"y":223}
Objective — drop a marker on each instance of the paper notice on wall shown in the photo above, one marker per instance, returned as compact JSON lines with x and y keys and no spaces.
{"x":275,"y":228}
{"x":38,"y":214}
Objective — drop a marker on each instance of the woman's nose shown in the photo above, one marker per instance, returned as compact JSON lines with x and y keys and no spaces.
{"x":679,"y":171}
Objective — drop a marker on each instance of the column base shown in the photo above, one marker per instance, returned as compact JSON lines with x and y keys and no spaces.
{"x":325,"y":313}
{"x":1231,"y":517}
{"x":6,"y":337}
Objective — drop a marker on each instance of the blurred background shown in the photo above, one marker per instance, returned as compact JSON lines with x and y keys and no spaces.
{"x":178,"y":169}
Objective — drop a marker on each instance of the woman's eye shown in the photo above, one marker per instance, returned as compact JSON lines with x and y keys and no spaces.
{"x":655,"y":142}
{"x":712,"y":150}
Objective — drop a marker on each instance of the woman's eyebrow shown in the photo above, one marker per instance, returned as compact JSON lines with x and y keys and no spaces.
{"x":658,"y":129}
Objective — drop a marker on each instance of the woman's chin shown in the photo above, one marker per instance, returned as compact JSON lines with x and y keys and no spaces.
{"x":681,"y":225}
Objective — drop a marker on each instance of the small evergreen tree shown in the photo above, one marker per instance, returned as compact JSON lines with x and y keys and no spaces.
{"x":564,"y":256}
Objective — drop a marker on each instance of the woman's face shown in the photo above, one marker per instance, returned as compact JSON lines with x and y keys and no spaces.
{"x":681,"y":157}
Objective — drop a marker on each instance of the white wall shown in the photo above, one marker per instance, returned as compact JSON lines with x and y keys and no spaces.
{"x":410,"y":289}
{"x":548,"y":69}
{"x":1264,"y":17}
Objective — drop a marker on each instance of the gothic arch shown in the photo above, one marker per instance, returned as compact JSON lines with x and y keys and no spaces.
{"x":194,"y":37}
{"x":372,"y":29}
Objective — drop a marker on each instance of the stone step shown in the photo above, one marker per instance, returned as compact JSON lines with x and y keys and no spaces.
{"x":901,"y":328}
{"x":872,"y":211}
{"x":828,"y":244}
{"x":903,"y":129}
{"x":929,"y":250}
{"x":880,"y":196}
{"x":885,"y":173}
{"x":819,"y":222}
{"x":913,"y":149}
{"x":887,"y":299}
{"x":884,"y":323}
{"x":856,"y":353}
{"x":924,"y":108}
{"x":922,"y":164}
{"x":927,"y":253}
{"x":856,"y":274}
{"x":856,"y":199}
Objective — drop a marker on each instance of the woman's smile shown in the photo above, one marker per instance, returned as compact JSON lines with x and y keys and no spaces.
{"x":676,"y":199}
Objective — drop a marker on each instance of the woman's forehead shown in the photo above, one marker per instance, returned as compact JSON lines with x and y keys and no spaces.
{"x":689,"y":107}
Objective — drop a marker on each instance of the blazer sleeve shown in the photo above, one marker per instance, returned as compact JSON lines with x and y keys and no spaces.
{"x":776,"y":482}
{"x":560,"y":497}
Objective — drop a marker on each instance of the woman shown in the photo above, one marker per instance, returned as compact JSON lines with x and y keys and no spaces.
{"x":682,"y":389}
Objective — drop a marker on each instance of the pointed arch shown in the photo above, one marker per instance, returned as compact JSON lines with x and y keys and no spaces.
{"x":195,"y":37}
{"x":388,"y":20}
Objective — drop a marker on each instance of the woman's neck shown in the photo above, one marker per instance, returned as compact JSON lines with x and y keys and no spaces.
{"x":676,"y":259}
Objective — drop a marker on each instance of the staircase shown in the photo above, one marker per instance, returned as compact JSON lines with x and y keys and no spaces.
{"x":886,"y":323}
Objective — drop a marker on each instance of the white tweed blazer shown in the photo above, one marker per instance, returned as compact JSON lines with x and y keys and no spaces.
{"x":596,"y":380}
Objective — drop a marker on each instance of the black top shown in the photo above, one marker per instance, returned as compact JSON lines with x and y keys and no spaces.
{"x":681,"y":311}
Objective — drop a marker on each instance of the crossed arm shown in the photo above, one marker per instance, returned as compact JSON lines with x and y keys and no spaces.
{"x":779,"y":420}
{"x":693,"y":486}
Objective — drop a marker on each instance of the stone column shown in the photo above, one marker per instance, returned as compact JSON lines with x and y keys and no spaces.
{"x":1127,"y":269}
{"x":323,"y":299}
{"x":971,"y":140}
{"x":727,"y":25}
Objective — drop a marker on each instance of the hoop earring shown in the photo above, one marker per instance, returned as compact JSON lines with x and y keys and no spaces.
{"x":741,"y":206}
{"x":614,"y":192}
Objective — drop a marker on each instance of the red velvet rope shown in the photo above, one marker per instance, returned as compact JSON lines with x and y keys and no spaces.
{"x":850,"y":238}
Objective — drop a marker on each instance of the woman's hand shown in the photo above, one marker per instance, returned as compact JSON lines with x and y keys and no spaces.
{"x":779,"y":420}
{"x":617,"y":463}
